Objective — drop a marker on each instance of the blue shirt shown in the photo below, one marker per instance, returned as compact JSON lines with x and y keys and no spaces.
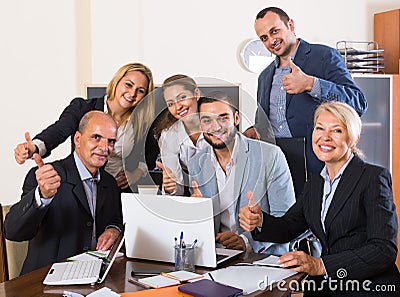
{"x":330,"y":188}
{"x":277,"y":107}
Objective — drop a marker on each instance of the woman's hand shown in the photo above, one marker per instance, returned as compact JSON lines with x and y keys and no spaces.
{"x":169,"y":178}
{"x":301,"y":262}
{"x":25,"y":150}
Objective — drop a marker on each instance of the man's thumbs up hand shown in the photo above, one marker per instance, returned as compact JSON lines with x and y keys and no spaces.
{"x":297,"y":81}
{"x":47,"y":178}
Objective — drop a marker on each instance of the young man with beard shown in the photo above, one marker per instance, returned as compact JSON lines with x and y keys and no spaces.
{"x":72,"y":205}
{"x":302,"y":77}
{"x":231,"y":167}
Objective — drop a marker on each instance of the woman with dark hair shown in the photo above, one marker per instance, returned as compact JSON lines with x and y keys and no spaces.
{"x":178,"y":132}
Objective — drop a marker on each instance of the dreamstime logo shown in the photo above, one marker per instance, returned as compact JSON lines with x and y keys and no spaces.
{"x":341,"y":273}
{"x":339,"y":284}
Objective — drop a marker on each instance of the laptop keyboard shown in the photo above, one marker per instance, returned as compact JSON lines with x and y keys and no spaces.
{"x":220,"y":257}
{"x":81,"y":270}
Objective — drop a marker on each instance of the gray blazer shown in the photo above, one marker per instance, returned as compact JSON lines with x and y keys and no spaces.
{"x":260,"y":167}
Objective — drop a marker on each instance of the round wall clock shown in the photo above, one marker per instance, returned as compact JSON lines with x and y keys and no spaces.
{"x":255,"y":57}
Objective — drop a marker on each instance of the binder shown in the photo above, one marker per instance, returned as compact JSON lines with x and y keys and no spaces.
{"x":209,"y":288}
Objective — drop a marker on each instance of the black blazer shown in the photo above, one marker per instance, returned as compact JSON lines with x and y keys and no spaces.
{"x":68,"y":123}
{"x":63,"y":228}
{"x":361,"y":223}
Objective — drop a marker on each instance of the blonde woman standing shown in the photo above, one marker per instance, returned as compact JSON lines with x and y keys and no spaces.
{"x":126,"y":92}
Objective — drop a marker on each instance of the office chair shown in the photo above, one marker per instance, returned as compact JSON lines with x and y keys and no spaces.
{"x":306,"y":242}
{"x":3,"y":251}
{"x":294,"y":149}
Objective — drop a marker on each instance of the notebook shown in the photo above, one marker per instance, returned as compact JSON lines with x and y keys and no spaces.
{"x":83,"y":272}
{"x":169,"y":279}
{"x":153,"y":221}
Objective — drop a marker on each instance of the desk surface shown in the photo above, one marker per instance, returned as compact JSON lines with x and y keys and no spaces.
{"x":117,"y":280}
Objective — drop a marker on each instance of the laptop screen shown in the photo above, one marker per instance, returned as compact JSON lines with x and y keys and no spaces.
{"x":153,"y":222}
{"x":107,"y":262}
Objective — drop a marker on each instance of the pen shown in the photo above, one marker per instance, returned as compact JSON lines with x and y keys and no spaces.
{"x":194,"y":243}
{"x":166,"y":274}
{"x":137,"y":283}
{"x":210,"y":275}
{"x":180,"y":241}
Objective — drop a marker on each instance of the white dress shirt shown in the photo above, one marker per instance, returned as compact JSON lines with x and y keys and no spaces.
{"x":176,"y":148}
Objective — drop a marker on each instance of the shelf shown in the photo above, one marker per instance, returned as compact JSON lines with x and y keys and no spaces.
{"x":362,"y":56}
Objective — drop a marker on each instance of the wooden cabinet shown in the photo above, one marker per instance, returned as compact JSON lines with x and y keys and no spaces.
{"x":380,"y":137}
{"x":387,"y":34}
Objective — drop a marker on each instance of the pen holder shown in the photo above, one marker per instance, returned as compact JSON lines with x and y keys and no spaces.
{"x":184,"y":258}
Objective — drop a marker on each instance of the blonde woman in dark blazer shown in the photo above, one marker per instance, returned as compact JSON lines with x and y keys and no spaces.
{"x":130,"y":89}
{"x":348,"y":206}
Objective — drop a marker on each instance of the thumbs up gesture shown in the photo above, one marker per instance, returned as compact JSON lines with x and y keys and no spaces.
{"x":47,"y":178}
{"x":297,"y":81}
{"x":196,"y":190}
{"x":250,"y":215}
{"x":25,"y":150}
{"x":169,"y":178}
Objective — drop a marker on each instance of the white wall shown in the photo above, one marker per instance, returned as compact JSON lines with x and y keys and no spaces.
{"x":50,"y":49}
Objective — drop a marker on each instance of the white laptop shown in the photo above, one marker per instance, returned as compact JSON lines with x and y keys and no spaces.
{"x":83,"y":272}
{"x":153,"y":221}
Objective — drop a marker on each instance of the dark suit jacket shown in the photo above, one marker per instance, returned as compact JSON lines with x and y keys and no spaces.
{"x":64,"y":227}
{"x":326,"y":64}
{"x":361,"y":223}
{"x":68,"y":123}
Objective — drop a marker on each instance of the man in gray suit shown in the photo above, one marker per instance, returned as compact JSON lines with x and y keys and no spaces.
{"x":233,"y":167}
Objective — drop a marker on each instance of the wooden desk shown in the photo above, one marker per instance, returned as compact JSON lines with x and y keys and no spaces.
{"x":117,"y":280}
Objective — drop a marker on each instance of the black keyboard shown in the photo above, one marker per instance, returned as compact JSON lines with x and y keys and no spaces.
{"x":220,"y":257}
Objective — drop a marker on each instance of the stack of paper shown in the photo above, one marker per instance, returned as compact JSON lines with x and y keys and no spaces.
{"x":251,"y":277}
{"x":268,"y":261}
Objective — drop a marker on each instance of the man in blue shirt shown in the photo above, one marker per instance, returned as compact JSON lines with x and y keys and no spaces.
{"x":302,"y":76}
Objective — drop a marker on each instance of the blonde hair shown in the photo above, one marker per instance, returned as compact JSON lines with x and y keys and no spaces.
{"x":145,"y":110}
{"x":349,"y":119}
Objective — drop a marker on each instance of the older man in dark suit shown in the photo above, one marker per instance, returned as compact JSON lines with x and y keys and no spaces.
{"x":72,"y":205}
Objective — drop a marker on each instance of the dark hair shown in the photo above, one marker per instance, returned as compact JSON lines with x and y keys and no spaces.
{"x":166,"y":118}
{"x":216,"y":96}
{"x":185,"y":81}
{"x":282,"y":15}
